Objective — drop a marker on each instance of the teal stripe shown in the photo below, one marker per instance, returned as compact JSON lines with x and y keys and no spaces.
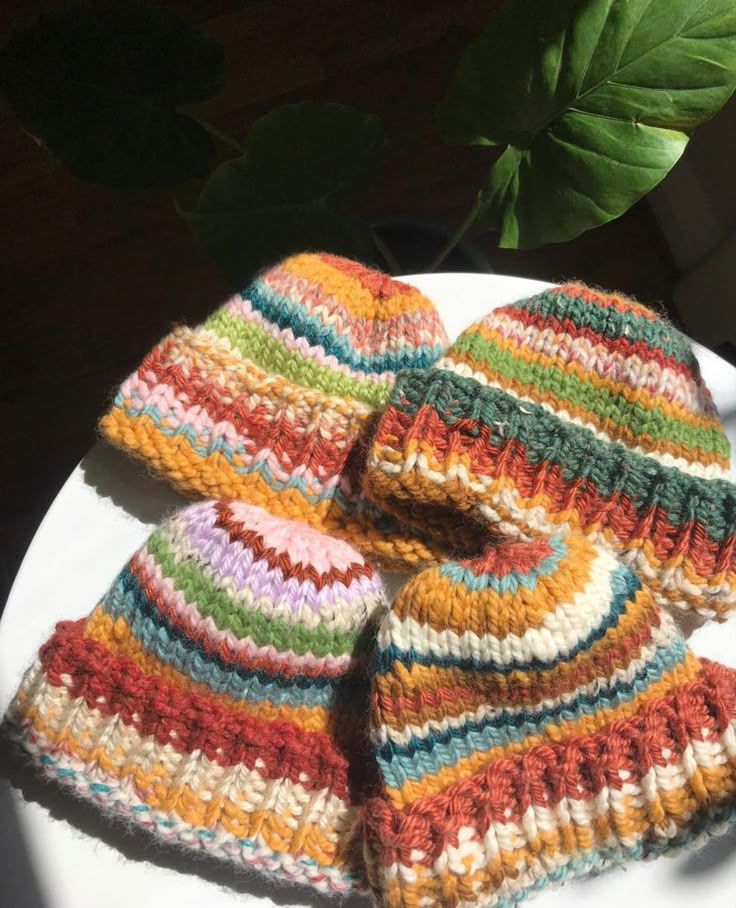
{"x":282,"y":311}
{"x":610,"y":467}
{"x":428,"y":755}
{"x":612,"y":324}
{"x":123,"y":601}
{"x":511,"y":582}
{"x":83,"y":781}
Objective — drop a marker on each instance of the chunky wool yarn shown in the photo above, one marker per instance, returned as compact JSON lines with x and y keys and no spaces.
{"x":537,"y":717}
{"x":271,"y":399}
{"x":571,"y":409}
{"x":218,"y":694}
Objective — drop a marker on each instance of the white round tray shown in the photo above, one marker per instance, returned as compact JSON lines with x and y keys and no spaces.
{"x":56,"y":852}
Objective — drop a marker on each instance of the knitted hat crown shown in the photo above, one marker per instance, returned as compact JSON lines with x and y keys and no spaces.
{"x":270,"y":399}
{"x":571,"y":409}
{"x":536,"y":717}
{"x":217,"y":693}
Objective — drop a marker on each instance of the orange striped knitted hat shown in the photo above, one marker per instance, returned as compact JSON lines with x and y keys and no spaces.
{"x":217,"y":695}
{"x":271,"y":399}
{"x":536,"y":717}
{"x":571,"y":409}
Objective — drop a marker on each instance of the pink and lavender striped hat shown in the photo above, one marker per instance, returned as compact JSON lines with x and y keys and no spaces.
{"x":217,"y":694}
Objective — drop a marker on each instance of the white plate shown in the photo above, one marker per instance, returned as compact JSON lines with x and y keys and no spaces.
{"x":57,"y":853}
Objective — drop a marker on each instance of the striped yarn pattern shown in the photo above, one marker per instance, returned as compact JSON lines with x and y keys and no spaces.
{"x":572,"y":409}
{"x":536,"y":717}
{"x":217,"y":695}
{"x":271,"y":399}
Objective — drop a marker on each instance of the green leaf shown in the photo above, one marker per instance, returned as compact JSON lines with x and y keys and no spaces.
{"x":596,"y":99}
{"x":99,"y":86}
{"x":288,"y":191}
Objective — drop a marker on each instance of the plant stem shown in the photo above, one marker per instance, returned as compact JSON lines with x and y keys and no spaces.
{"x":220,"y":135}
{"x":459,"y":234}
{"x":388,"y":256}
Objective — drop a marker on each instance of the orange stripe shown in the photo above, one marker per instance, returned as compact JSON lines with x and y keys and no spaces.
{"x":632,"y":395}
{"x":115,"y":635}
{"x":456,"y":608}
{"x":351,"y":294}
{"x":433,"y":783}
{"x":614,"y":430}
{"x":199,"y":808}
{"x":213,"y":476}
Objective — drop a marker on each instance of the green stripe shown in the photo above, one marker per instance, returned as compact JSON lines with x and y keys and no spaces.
{"x":610,"y":323}
{"x":604,"y":403}
{"x":610,"y":468}
{"x":271,"y":355}
{"x":229,"y":616}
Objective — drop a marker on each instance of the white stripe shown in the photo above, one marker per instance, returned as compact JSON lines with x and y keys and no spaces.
{"x":662,"y":636}
{"x":630,"y":369}
{"x":127,"y":750}
{"x":693,"y":468}
{"x":522,"y":521}
{"x":560,"y":632}
{"x":504,"y":837}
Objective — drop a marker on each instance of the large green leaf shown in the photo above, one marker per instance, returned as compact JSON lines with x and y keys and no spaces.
{"x":99,"y":86}
{"x":287,"y":193}
{"x":596,"y":100}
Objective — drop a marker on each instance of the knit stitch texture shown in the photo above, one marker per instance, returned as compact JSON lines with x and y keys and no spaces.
{"x":271,"y":399}
{"x":537,"y":717}
{"x":218,"y":694}
{"x":570,"y":409}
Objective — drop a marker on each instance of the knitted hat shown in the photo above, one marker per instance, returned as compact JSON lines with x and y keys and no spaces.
{"x":218,"y":696}
{"x":271,"y":398}
{"x":572,"y":408}
{"x":536,"y":717}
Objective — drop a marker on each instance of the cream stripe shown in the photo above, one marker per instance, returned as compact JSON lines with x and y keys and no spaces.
{"x":219,"y":842}
{"x":134,"y":755}
{"x":662,"y":637}
{"x":558,"y":634}
{"x":474,"y":851}
{"x":692,"y":468}
{"x":673,"y":580}
{"x":339,"y":614}
{"x":613,"y":366}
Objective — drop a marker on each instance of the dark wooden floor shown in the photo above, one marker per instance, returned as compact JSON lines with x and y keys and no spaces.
{"x":91,"y":278}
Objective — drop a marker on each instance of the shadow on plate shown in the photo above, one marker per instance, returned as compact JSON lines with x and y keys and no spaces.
{"x":717,"y":852}
{"x":128,"y":484}
{"x":19,"y":883}
{"x":133,"y":844}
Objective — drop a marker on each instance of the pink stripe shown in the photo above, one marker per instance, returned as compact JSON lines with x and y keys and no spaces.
{"x":233,"y":561}
{"x":658,"y":381}
{"x":187,"y":616}
{"x":139,"y":395}
{"x":244,"y":309}
{"x":367,"y":335}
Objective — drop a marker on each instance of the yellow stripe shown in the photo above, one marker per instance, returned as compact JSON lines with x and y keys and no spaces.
{"x":115,"y":635}
{"x":632,"y":395}
{"x":507,"y":689}
{"x":383,"y":489}
{"x":422,"y":885}
{"x":213,"y":476}
{"x":200,"y":808}
{"x":455,"y":608}
{"x":351,"y":294}
{"x":432,"y":783}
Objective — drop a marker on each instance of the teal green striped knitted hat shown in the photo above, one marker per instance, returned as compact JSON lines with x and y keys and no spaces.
{"x":571,"y":409}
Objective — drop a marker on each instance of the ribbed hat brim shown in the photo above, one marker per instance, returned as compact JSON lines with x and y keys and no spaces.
{"x":645,"y":786}
{"x":447,"y":440}
{"x":190,"y":770}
